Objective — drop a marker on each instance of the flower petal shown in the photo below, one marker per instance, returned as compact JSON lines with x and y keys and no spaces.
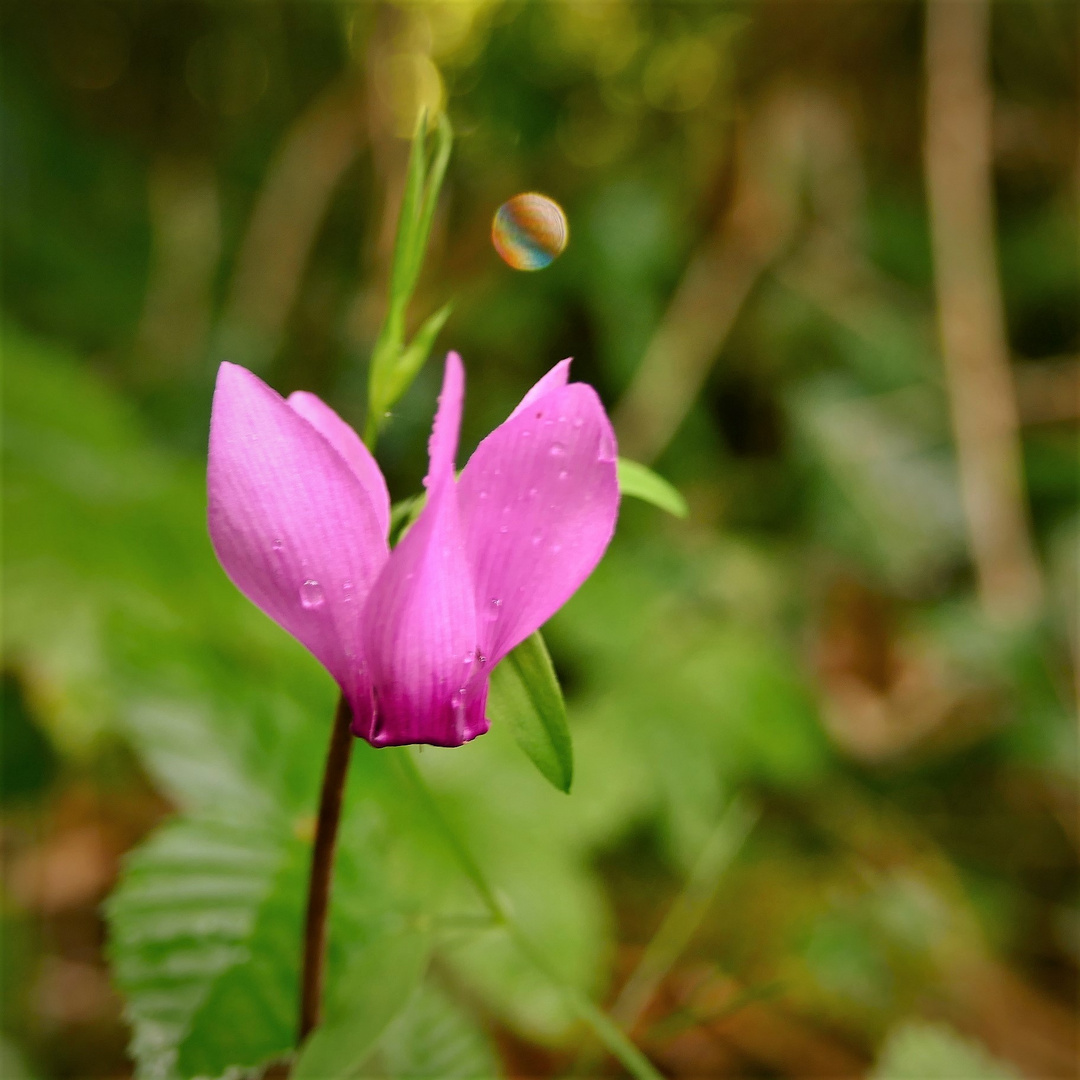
{"x":538,"y":503}
{"x":292,"y":525}
{"x":555,"y":379}
{"x":419,"y":625}
{"x":350,"y":446}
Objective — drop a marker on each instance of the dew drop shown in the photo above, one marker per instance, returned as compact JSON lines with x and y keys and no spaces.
{"x":311,"y":594}
{"x":277,"y":545}
{"x":557,"y":450}
{"x":468,"y":658}
{"x":526,"y":434}
{"x":347,"y":590}
{"x":504,"y":528}
{"x":533,"y":492}
{"x":563,"y":474}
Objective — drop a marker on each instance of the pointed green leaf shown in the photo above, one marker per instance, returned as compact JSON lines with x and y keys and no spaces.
{"x":640,"y":482}
{"x":403,"y":514}
{"x":393,"y":366}
{"x":444,"y":141}
{"x":525,"y":694}
{"x":411,"y":360}
{"x":376,"y":986}
{"x":402,"y":276}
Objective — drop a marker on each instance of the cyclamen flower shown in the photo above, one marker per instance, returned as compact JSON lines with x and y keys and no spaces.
{"x":299,"y":515}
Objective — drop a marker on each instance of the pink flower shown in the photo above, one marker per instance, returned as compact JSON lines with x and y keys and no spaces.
{"x":299,"y":514}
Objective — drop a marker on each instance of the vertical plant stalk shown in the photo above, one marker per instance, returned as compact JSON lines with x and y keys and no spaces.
{"x":322,"y":865}
{"x":971,"y":319}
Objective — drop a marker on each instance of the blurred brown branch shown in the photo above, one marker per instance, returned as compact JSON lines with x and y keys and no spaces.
{"x":971,"y":320}
{"x":307,"y":166}
{"x":716,"y":283}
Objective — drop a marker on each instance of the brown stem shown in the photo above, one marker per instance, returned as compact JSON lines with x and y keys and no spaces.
{"x":971,"y":318}
{"x":322,"y":864}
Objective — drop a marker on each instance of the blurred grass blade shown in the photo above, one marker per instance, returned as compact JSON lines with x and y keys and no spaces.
{"x":640,"y":482}
{"x":686,"y":913}
{"x":374,"y":989}
{"x":525,"y":694}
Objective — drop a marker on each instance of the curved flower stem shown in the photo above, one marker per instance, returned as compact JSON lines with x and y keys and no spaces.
{"x":322,"y":864}
{"x":605,"y":1029}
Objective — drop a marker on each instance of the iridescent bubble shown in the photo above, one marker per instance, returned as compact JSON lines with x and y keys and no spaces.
{"x":530,"y":231}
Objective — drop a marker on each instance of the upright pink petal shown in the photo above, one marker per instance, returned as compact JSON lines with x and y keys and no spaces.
{"x":293,"y":526}
{"x":539,"y":500}
{"x":419,"y":627}
{"x":555,"y":379}
{"x":350,"y":446}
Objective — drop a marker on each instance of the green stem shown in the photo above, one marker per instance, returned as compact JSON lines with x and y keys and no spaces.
{"x":605,"y":1029}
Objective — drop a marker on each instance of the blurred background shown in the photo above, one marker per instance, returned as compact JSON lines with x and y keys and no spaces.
{"x":824,"y":269}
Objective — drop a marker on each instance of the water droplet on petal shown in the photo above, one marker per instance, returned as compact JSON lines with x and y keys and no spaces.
{"x":557,"y":450}
{"x":469,"y":658}
{"x":526,"y":434}
{"x":347,"y":590}
{"x":311,"y":594}
{"x":563,"y":474}
{"x":537,"y":537}
{"x":277,"y":545}
{"x":483,"y":495}
{"x":504,"y":528}
{"x":533,"y":492}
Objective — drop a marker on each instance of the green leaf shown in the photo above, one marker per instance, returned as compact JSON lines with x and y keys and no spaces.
{"x":393,"y":364}
{"x":411,"y":359}
{"x":204,"y":940}
{"x":640,"y":482}
{"x":922,"y":1051}
{"x":376,"y":986}
{"x":403,"y":514}
{"x":444,"y":141}
{"x":434,"y":1037}
{"x":525,"y":695}
{"x":404,"y":270}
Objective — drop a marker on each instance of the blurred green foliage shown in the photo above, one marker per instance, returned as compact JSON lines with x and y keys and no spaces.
{"x":189,"y":182}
